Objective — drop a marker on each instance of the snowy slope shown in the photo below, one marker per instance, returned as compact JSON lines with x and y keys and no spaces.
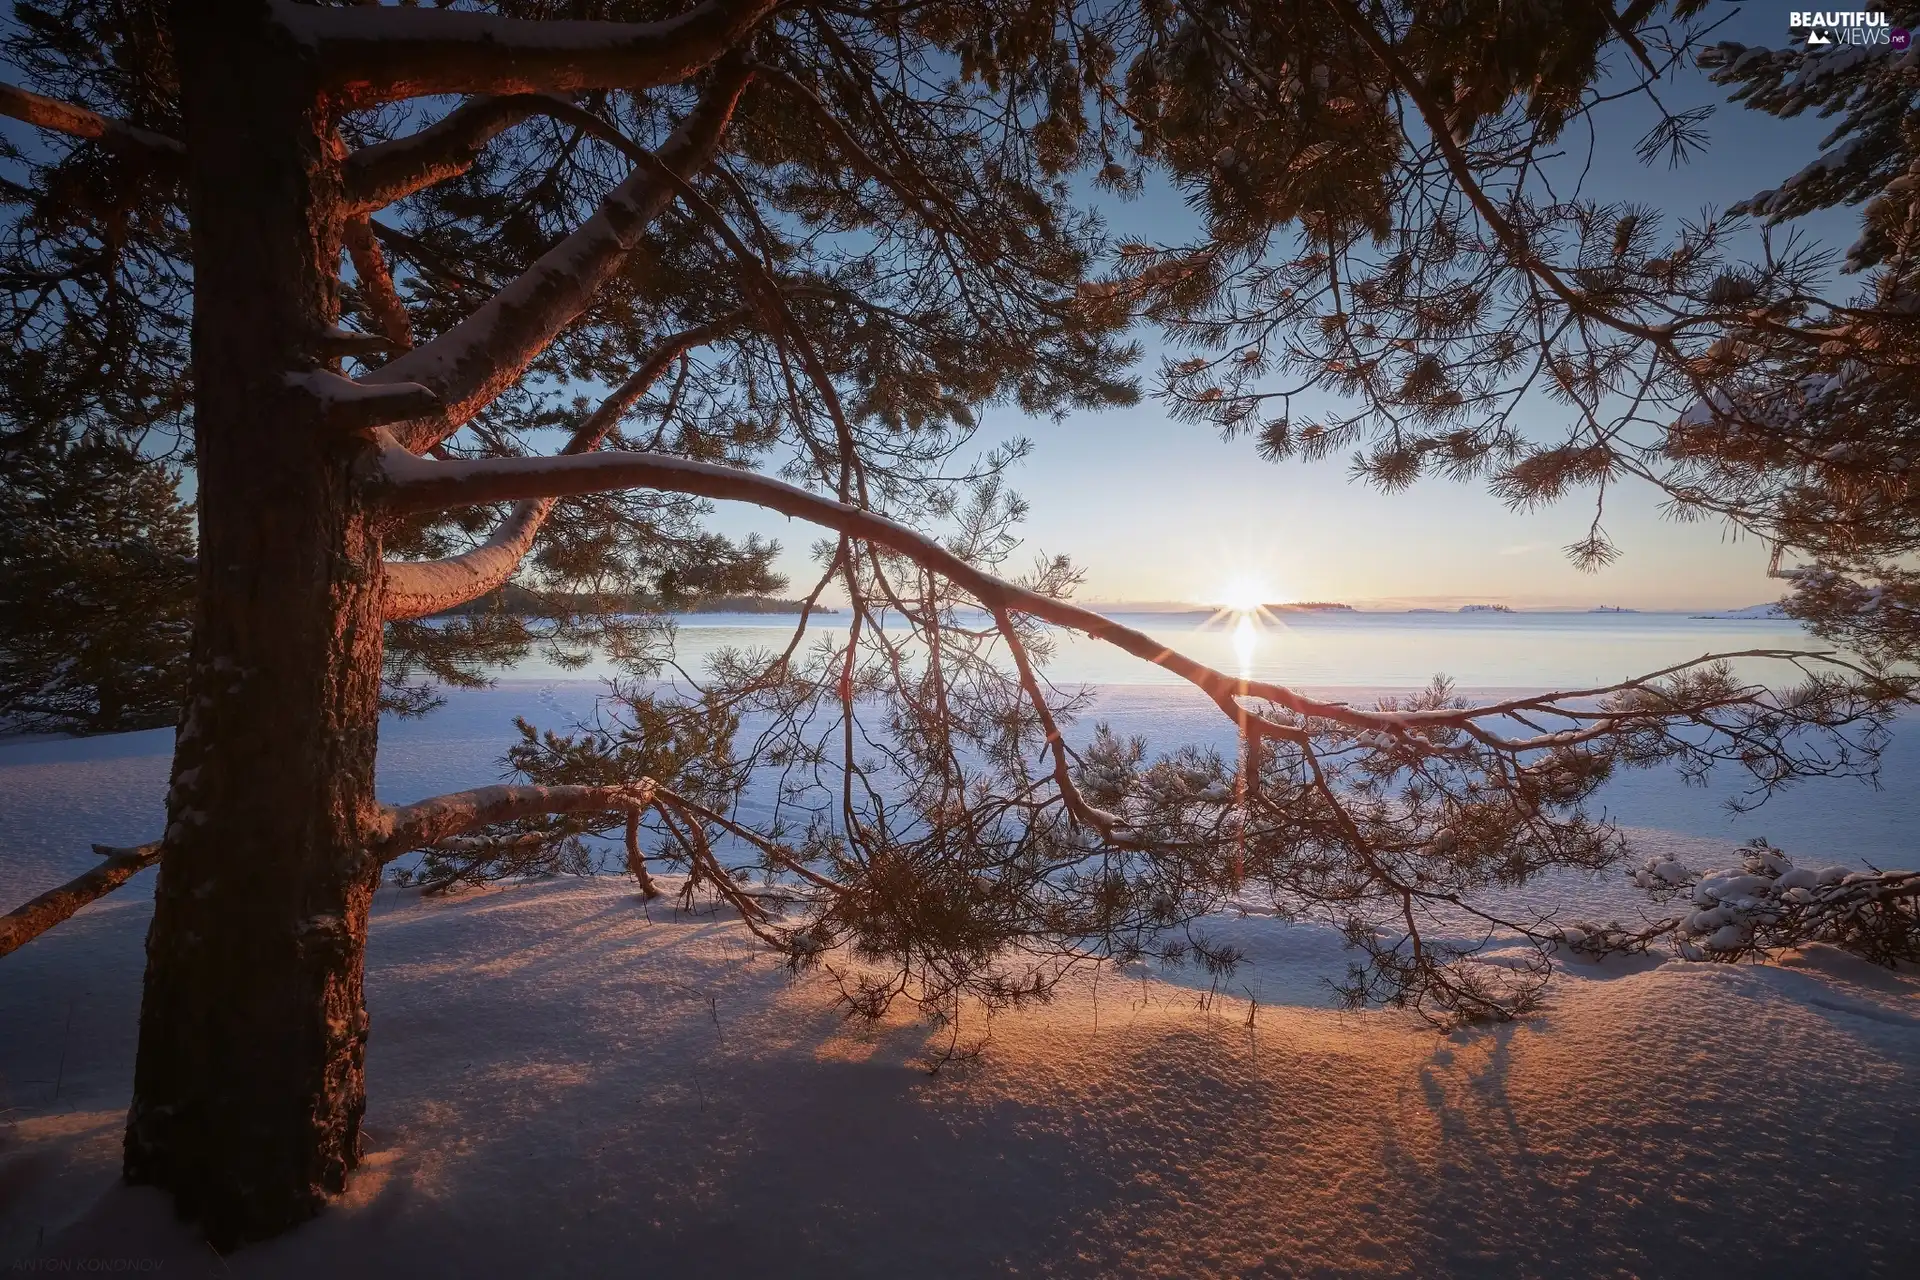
{"x":567,"y":1082}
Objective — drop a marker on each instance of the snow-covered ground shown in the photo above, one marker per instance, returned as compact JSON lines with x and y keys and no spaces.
{"x":566,"y":1081}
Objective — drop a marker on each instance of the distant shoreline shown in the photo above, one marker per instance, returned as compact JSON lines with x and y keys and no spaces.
{"x":530,"y":607}
{"x":1749,"y":613}
{"x":525,"y":604}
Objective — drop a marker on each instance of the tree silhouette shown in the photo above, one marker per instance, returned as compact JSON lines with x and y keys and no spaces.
{"x":799,"y":247}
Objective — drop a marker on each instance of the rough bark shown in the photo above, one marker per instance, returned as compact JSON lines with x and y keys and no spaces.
{"x":248,"y":1088}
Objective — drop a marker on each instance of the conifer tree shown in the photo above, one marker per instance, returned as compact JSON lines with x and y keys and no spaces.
{"x":435,"y":300}
{"x":96,"y":587}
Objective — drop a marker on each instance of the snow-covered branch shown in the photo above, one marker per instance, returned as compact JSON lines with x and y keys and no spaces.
{"x":440,"y":821}
{"x":404,"y":828}
{"x":64,"y":117}
{"x":376,"y":53}
{"x":417,"y":588}
{"x":28,"y":921}
{"x":353,"y":406}
{"x":1765,"y":906}
{"x":484,"y":354}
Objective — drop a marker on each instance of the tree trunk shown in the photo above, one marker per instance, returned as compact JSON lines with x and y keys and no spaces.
{"x":248,"y":1090}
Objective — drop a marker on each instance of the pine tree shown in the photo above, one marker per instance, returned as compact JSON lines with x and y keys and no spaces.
{"x":96,"y":587}
{"x":793,"y":253}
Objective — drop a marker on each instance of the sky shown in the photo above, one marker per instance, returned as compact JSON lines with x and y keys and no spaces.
{"x":1165,"y":513}
{"x":1156,"y":511}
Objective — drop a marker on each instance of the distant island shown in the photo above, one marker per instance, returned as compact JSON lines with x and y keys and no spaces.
{"x":1769,"y":610}
{"x":751,"y":604}
{"x":1611,"y":608}
{"x":1309,"y":606}
{"x":1486,"y":608}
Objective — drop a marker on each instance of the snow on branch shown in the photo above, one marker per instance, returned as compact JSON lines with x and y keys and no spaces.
{"x":441,"y":827}
{"x":404,"y":828}
{"x":483,"y":355}
{"x":376,"y":53}
{"x":78,"y":122}
{"x":353,"y":406}
{"x":417,"y":588}
{"x":442,"y":821}
{"x":30,"y":920}
{"x":1763,"y":907}
{"x":336,"y":343}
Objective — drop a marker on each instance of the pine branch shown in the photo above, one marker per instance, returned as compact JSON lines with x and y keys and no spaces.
{"x":417,"y":588}
{"x":483,"y":355}
{"x":421,"y":588}
{"x":376,"y":176}
{"x":1434,"y":116}
{"x":336,"y":343}
{"x":1761,"y":908}
{"x":28,"y":921}
{"x":848,"y":145}
{"x":349,"y":405}
{"x":372,"y":54}
{"x":402,"y":829}
{"x":417,"y":484}
{"x":376,"y":281}
{"x":1077,"y":803}
{"x":64,"y":117}
{"x":428,"y":822}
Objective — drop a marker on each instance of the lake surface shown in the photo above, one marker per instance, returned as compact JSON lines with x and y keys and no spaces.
{"x":1357,"y":656}
{"x":1326,"y":651}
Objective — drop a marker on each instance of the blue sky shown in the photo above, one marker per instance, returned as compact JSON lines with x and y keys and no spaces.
{"x":1165,"y":512}
{"x":1155,"y":510}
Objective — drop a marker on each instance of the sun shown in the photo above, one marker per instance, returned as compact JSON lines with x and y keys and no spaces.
{"x":1244,"y":595}
{"x":1242,"y":608}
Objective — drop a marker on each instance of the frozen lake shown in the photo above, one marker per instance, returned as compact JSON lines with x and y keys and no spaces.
{"x":57,"y":797}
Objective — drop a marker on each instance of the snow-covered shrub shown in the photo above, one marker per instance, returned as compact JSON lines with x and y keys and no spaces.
{"x":1768,"y":904}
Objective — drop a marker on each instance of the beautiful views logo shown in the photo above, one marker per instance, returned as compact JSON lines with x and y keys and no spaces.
{"x":1833,"y":28}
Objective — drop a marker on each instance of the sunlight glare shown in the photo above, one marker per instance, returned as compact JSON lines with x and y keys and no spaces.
{"x":1243,"y":596}
{"x":1245,"y":640}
